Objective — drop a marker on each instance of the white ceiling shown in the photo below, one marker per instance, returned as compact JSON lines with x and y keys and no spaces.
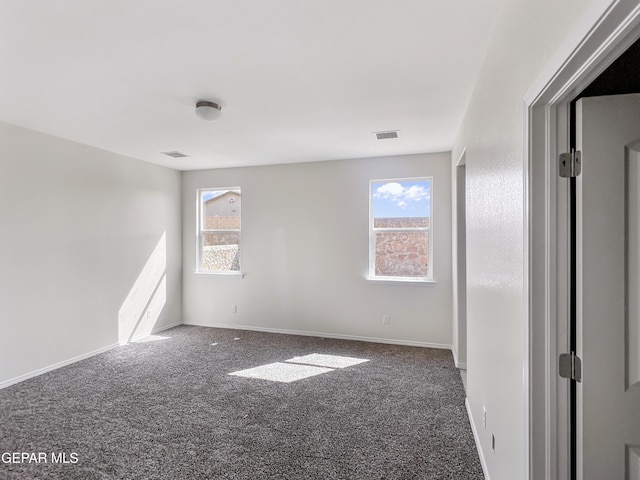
{"x":298,"y":80}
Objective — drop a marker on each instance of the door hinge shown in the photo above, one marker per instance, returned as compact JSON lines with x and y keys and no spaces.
{"x":570,"y":164}
{"x":570,"y":366}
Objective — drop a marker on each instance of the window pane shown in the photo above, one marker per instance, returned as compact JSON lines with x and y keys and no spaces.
{"x":221,"y":209}
{"x":400,"y":228}
{"x":401,"y":199}
{"x":221,"y":252}
{"x":402,"y":254}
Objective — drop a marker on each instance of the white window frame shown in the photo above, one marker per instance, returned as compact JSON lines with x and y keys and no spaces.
{"x":427,"y":279}
{"x":201,"y":231}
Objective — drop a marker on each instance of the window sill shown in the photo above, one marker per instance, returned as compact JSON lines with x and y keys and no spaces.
{"x":400,"y":281}
{"x":233,"y":275}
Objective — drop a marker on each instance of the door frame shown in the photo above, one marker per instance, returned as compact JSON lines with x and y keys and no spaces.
{"x":606,"y":30}
{"x":460,"y":263}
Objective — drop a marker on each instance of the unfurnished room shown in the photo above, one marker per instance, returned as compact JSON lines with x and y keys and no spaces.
{"x":319,"y":239}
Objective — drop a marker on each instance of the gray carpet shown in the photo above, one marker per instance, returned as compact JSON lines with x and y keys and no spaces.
{"x":169,"y":410}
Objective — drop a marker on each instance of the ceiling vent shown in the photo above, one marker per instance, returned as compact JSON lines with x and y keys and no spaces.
{"x":386,"y":135}
{"x":175,"y":154}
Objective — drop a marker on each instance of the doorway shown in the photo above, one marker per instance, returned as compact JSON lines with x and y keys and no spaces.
{"x":460,"y":323}
{"x":548,"y":120}
{"x":608,"y":110}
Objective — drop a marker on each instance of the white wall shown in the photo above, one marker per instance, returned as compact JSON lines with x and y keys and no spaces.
{"x":526,"y":38}
{"x":305,"y":253}
{"x":78,"y":227}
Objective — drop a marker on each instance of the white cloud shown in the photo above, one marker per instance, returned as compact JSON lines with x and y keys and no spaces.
{"x":388,"y":190}
{"x":416,"y":192}
{"x":401,"y":195}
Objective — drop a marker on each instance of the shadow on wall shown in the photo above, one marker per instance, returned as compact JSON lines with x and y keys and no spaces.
{"x":141,"y":309}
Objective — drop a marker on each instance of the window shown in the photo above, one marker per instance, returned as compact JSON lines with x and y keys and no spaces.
{"x":400,"y":235}
{"x":219,"y":226}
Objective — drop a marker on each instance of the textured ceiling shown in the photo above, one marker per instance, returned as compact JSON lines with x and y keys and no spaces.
{"x":298,"y":80}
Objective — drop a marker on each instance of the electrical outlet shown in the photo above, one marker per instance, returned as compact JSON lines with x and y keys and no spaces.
{"x":484,"y":417}
{"x":386,"y":319}
{"x":148,"y":314}
{"x":234,"y":308}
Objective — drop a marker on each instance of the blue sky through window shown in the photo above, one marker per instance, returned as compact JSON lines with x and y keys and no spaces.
{"x":214,"y":193}
{"x":401,"y":198}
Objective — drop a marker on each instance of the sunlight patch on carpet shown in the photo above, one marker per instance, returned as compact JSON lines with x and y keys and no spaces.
{"x":331,"y":361}
{"x":282,"y":372}
{"x":297,"y":368}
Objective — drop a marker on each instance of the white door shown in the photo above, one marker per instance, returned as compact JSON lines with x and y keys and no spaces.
{"x":608,"y":283}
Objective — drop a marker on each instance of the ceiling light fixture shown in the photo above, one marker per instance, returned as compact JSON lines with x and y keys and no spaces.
{"x":208,"y":111}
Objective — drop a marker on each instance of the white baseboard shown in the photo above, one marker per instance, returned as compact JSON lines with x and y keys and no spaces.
{"x":409,"y":343}
{"x":153,"y":332}
{"x":483,"y":462}
{"x":55,"y":366}
{"x":461,"y":366}
{"x":165,"y":327}
{"x":64,"y":363}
